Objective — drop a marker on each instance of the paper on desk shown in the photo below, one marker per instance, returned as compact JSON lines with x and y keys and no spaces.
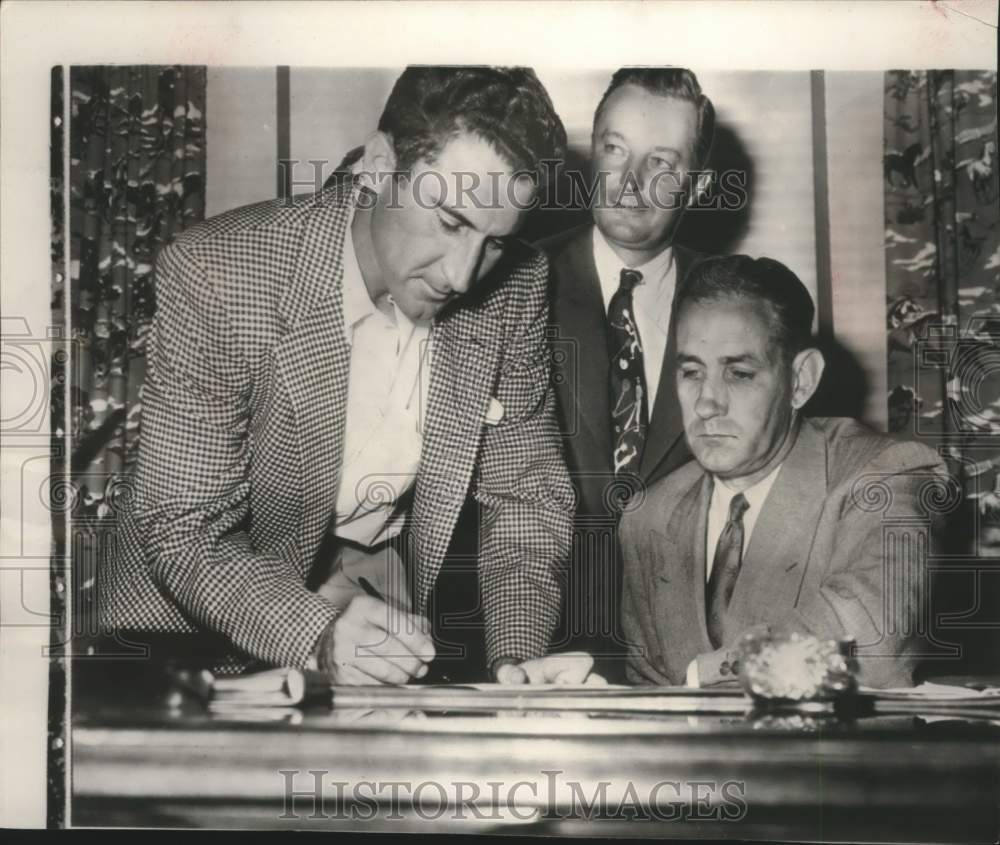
{"x":494,"y":687}
{"x":933,"y":691}
{"x":270,"y":688}
{"x":932,"y":702}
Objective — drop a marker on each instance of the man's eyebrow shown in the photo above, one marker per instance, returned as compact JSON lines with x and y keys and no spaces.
{"x":465,"y":221}
{"x":745,"y":357}
{"x":610,"y":133}
{"x":502,"y":239}
{"x":672,"y":150}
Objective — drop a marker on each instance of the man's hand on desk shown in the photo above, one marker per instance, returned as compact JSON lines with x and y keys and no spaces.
{"x":373,"y":643}
{"x":573,"y":667}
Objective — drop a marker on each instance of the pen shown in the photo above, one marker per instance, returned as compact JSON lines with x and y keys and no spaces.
{"x":372,"y":590}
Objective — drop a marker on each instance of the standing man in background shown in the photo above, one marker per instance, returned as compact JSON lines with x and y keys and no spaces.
{"x":612,"y":291}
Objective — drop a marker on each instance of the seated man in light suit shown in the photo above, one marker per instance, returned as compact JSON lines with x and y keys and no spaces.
{"x":774,"y":523}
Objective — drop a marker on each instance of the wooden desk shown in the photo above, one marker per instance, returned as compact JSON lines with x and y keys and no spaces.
{"x":140,"y":763}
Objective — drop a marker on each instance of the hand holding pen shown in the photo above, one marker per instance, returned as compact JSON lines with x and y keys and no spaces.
{"x":374,"y":642}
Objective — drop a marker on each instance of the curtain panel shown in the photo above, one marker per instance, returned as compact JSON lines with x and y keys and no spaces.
{"x":135,"y":179}
{"x":942,"y":260}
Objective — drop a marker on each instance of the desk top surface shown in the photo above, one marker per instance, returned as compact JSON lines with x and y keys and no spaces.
{"x":140,"y":756}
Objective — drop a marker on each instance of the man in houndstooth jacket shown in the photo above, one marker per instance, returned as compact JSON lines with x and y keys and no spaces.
{"x":326,"y":370}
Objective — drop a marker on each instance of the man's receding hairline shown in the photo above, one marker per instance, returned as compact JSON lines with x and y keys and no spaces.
{"x":663,"y":95}
{"x":770,"y":319}
{"x":695,"y":135}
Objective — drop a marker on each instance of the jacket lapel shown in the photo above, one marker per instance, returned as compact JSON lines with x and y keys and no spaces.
{"x":680,"y":581}
{"x":775,"y":560}
{"x":579,"y":311}
{"x":464,"y":362}
{"x":666,"y":429}
{"x":313,"y":360}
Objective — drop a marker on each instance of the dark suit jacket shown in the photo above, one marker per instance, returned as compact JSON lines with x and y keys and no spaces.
{"x":243,"y":417}
{"x":817,"y":561}
{"x":579,"y":339}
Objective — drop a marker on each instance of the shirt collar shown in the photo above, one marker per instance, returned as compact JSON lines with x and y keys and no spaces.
{"x":656,"y":273}
{"x":358,"y":303}
{"x":755,"y":495}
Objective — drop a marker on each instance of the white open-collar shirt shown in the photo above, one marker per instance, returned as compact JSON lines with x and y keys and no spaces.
{"x":386,"y":398}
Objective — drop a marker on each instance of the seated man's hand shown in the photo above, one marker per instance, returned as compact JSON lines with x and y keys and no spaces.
{"x":373,"y":643}
{"x":572,"y":667}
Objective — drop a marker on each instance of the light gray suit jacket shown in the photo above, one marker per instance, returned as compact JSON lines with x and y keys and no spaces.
{"x":839,"y":550}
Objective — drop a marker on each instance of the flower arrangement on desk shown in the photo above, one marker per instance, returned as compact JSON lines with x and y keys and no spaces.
{"x":796,"y":667}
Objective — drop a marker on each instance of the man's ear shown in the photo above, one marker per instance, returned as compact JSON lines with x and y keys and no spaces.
{"x":378,"y":162}
{"x":807,"y":370}
{"x":701,"y":185}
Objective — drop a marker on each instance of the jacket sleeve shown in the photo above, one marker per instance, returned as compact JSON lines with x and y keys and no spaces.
{"x":192,"y":487}
{"x":874,"y":589}
{"x":523,"y":488}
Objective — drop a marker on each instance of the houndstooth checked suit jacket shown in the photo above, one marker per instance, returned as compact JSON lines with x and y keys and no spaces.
{"x":242,"y":434}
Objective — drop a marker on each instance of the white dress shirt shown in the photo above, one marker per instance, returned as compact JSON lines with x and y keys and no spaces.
{"x":718,"y":515}
{"x":652,"y":300}
{"x":386,"y":397}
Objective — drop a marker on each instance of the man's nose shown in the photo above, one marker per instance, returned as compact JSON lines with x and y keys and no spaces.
{"x":643,"y":174}
{"x":711,"y":401}
{"x":462,"y":264}
{"x":626,"y":174}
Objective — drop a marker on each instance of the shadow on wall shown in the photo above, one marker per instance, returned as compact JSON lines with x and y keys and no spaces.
{"x":843,"y":390}
{"x":720,"y":230}
{"x":565,"y":209}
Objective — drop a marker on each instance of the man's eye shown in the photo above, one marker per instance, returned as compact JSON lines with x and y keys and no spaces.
{"x":689,"y":375}
{"x":662,"y":163}
{"x":614,"y":150}
{"x":496,"y":245}
{"x":449,"y":225}
{"x":741,"y":375}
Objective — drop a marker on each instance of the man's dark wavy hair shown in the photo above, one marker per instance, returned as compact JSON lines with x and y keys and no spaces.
{"x":756,"y":279}
{"x":506,"y":106}
{"x":677,"y":82}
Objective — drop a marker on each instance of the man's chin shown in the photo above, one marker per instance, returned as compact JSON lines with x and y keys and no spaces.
{"x":623,"y":229}
{"x":630,"y":230}
{"x":717,"y":461}
{"x":420,"y":310}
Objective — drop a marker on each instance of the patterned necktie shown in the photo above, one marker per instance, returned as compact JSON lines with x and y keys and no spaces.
{"x":725,"y":568}
{"x":629,"y":406}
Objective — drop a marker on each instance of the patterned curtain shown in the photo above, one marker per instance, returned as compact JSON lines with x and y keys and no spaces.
{"x":136,"y":177}
{"x":137,"y":164}
{"x":943,"y":276}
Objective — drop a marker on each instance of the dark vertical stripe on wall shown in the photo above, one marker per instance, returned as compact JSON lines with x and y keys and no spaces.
{"x":284,"y":119}
{"x":821,"y":206}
